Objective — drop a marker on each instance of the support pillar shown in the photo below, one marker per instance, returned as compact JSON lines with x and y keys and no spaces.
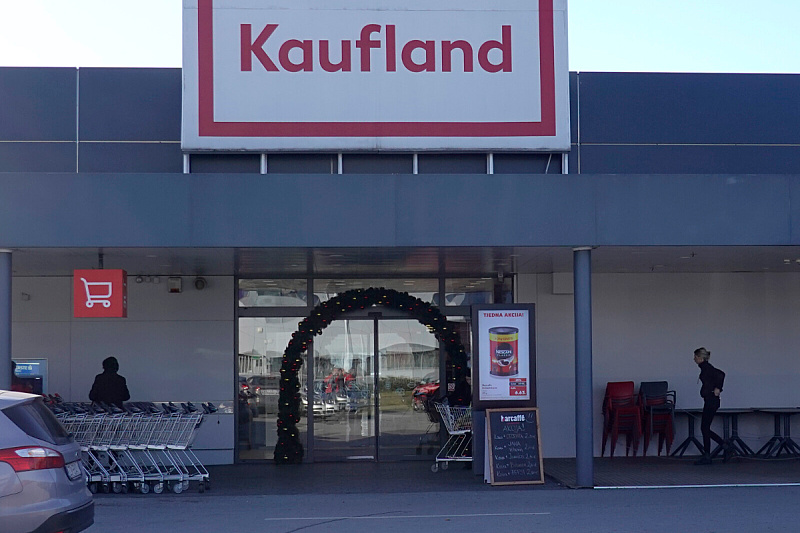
{"x":584,"y":438}
{"x":5,"y":319}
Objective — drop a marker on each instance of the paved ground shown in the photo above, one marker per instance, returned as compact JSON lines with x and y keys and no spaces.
{"x":407,"y":497}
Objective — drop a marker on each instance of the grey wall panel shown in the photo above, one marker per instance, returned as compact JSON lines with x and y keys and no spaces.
{"x":574,"y":160}
{"x":219,"y":163}
{"x":226,"y":210}
{"x":162,"y":360}
{"x":689,"y":108}
{"x":692,"y":209}
{"x":52,"y":208}
{"x":496,"y":210}
{"x":574,"y":100}
{"x":38,"y":156}
{"x":451,"y":164}
{"x":130,"y":157}
{"x":295,"y":210}
{"x":635,"y":159}
{"x":302,"y":164}
{"x":125,"y":104}
{"x":527,"y":163}
{"x":377,"y":163}
{"x":38,"y":104}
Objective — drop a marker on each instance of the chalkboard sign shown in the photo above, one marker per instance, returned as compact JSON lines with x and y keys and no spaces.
{"x":514,"y":454}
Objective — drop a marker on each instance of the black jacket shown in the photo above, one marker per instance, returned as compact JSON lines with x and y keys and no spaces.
{"x":711,"y":378}
{"x":110,"y":388}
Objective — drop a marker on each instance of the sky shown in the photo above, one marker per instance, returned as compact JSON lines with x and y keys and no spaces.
{"x":604,"y":35}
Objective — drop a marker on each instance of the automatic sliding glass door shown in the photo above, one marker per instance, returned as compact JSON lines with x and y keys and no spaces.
{"x":371,"y":377}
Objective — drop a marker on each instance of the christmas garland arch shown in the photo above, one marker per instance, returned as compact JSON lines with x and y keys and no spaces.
{"x":288,"y":449}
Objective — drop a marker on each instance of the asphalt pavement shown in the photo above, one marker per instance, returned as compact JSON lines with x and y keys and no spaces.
{"x":407,"y":497}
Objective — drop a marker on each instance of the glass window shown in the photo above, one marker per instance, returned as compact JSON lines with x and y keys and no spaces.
{"x":38,"y":421}
{"x":273,"y":293}
{"x":469,"y":291}
{"x":262,"y":342}
{"x":424,"y":289}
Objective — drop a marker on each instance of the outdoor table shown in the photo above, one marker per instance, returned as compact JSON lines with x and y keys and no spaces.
{"x":730,"y":433}
{"x":691,"y":414}
{"x":780,"y":443}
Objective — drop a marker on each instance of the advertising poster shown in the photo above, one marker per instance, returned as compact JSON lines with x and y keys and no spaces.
{"x":505,"y":363}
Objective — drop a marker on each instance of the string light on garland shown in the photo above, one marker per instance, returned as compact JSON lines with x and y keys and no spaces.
{"x":289,"y":449}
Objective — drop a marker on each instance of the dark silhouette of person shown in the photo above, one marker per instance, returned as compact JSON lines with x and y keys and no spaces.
{"x":109,"y":387}
{"x":712,"y":380}
{"x":462,"y":392}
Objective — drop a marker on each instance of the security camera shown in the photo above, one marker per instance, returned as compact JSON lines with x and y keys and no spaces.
{"x":200,"y":283}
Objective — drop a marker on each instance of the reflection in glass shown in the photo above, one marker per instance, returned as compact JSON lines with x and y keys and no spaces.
{"x":273,"y":293}
{"x":261,"y":345}
{"x":343,"y":391}
{"x":469,"y":291}
{"x":424,"y":289}
{"x":408,"y":382}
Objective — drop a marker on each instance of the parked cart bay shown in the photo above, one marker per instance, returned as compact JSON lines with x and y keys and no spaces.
{"x":140,"y":448}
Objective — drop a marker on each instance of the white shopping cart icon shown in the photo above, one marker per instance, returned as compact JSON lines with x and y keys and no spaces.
{"x":93,"y":294}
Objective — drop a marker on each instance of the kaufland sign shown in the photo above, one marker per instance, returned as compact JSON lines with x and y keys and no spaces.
{"x":277,"y":75}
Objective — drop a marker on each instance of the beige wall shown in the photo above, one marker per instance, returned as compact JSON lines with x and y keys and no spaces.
{"x":646,"y":326}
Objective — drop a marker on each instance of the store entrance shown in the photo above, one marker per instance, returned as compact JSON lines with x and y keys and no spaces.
{"x":366,"y":373}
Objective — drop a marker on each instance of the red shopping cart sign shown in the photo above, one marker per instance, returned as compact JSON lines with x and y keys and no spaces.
{"x":100,"y":293}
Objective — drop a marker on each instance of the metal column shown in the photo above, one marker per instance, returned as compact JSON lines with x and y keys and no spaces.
{"x":584,"y":448}
{"x":5,"y":319}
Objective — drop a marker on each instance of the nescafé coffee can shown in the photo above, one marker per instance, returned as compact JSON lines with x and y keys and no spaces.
{"x":503,"y":349}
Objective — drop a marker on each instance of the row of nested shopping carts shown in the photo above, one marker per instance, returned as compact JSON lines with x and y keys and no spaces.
{"x":140,"y":448}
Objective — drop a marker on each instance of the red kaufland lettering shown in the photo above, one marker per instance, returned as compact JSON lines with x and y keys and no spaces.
{"x":373,"y":37}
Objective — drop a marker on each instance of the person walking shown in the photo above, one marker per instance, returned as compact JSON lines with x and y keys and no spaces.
{"x":712,"y":380}
{"x":109,"y":387}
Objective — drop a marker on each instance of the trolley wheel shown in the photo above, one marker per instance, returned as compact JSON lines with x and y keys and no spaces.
{"x":435,"y":467}
{"x":202,"y":487}
{"x":207,"y":483}
{"x":116,"y":487}
{"x":144,"y":488}
{"x":126,"y":488}
{"x":445,"y":466}
{"x":158,"y":488}
{"x":106,"y":488}
{"x":185,"y":484}
{"x":93,"y":488}
{"x":177,"y":488}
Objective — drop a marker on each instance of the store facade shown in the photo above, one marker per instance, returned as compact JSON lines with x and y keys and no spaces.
{"x":683,"y":188}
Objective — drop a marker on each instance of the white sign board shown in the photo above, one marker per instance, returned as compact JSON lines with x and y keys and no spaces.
{"x":278,"y":75}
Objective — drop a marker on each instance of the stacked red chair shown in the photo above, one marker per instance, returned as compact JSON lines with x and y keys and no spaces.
{"x":621,"y":414}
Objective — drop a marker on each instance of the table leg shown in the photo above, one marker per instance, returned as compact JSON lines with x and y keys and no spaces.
{"x":691,"y":439}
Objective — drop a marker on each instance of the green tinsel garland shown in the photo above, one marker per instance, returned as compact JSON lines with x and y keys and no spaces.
{"x":289,"y":450}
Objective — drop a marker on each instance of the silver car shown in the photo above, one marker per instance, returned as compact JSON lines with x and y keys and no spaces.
{"x":42,"y":484}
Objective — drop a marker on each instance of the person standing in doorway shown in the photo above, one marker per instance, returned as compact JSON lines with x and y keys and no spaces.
{"x":712,"y":380}
{"x":109,"y":387}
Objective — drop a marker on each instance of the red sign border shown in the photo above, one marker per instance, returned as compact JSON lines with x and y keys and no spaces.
{"x":208,"y":127}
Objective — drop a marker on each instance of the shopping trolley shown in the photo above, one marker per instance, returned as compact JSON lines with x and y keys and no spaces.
{"x":141,"y":447}
{"x":457,"y":420}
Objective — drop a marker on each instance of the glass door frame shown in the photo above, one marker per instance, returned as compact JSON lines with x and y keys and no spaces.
{"x":461,"y":311}
{"x":375,"y":315}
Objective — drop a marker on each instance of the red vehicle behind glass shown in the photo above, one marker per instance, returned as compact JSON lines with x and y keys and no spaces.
{"x":427,"y":389}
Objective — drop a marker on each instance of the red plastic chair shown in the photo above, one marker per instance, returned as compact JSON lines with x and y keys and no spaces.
{"x":658,"y":414}
{"x":621,"y":414}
